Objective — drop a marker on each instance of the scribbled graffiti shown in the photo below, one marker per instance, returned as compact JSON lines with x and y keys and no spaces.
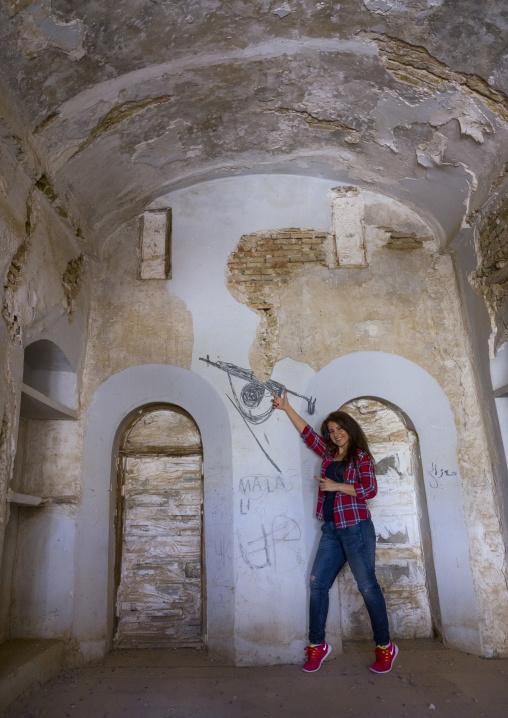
{"x":274,"y":547}
{"x":257,"y":485}
{"x":435,"y":474}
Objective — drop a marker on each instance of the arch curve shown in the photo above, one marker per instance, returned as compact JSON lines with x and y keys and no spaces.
{"x":113,"y":403}
{"x":400,"y":382}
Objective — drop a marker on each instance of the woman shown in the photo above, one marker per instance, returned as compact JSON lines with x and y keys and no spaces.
{"x":347,"y":480}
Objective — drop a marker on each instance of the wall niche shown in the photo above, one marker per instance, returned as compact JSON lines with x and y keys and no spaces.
{"x":37,"y":567}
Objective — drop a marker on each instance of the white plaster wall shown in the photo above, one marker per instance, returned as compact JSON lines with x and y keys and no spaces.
{"x":208,"y":221}
{"x":272,"y":550}
{"x":43,"y":582}
{"x":499,"y":374}
{"x":263,"y":531}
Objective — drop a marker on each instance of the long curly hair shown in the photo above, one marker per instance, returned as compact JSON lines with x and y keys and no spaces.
{"x":357,"y":438}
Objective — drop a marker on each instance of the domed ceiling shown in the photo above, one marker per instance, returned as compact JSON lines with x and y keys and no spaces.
{"x":115,"y":104}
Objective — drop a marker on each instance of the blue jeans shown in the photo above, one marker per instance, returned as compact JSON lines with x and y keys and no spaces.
{"x":357,"y":546}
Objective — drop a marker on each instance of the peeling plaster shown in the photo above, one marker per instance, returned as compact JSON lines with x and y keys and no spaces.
{"x":41,"y":29}
{"x":282,"y":11}
{"x":108,"y":90}
{"x":414,"y":65}
{"x":264,"y":98}
{"x":119,"y":114}
{"x":316,"y":123}
{"x":433,"y":151}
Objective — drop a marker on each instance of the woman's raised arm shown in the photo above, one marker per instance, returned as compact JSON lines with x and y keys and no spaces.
{"x":282,"y":403}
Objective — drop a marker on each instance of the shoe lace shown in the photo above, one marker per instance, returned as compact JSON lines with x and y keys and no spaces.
{"x":382,"y":652}
{"x":311,"y":651}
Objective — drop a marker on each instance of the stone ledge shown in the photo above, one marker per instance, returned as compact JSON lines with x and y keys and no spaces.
{"x":25,"y":662}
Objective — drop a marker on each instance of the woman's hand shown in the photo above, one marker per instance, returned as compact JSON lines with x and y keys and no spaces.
{"x":280,"y":402}
{"x":327,"y":484}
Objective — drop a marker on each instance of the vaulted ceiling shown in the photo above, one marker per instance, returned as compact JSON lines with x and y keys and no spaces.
{"x":117,"y":103}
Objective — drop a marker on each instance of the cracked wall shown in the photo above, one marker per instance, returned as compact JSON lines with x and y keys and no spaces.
{"x":110,"y":109}
{"x":490,"y":279}
{"x":43,"y":277}
{"x":359,"y":96}
{"x":404,"y":302}
{"x":133,"y":321}
{"x":261,"y":264}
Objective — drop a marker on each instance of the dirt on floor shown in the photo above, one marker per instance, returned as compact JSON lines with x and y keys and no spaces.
{"x":427,"y":680}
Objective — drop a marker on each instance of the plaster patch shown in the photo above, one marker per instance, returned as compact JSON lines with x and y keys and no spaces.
{"x":348,"y":226}
{"x":40,"y":29}
{"x":110,"y":89}
{"x":373,"y":328}
{"x":163,"y":149}
{"x":132,"y":321}
{"x":432,"y":152}
{"x":471,"y":119}
{"x":282,"y":11}
{"x":379,"y":6}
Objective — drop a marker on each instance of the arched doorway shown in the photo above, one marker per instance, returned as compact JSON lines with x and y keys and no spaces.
{"x":404,"y":568}
{"x":159,"y":531}
{"x":399,"y":382}
{"x":115,"y":401}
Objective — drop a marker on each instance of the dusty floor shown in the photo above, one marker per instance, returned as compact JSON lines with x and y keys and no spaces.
{"x":427,"y":680}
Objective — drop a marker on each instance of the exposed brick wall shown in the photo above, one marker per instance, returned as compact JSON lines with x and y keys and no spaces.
{"x":265,"y":258}
{"x":263,"y":262}
{"x":491,"y":277}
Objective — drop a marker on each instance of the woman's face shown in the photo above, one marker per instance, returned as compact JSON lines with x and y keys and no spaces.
{"x":339,"y":436}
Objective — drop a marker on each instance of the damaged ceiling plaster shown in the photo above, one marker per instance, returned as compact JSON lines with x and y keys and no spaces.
{"x":123,"y":103}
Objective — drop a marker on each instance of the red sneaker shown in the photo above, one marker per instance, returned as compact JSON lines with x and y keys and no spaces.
{"x":315,"y":657}
{"x":384,"y":658}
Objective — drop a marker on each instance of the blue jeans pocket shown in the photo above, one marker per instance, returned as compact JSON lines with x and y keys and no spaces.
{"x":328,"y":527}
{"x":355,"y":530}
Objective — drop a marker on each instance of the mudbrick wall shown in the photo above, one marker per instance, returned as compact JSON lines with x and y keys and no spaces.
{"x":263,"y":262}
{"x":491,"y":276}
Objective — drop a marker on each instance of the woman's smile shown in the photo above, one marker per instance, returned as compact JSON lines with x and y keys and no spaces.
{"x":339,"y":436}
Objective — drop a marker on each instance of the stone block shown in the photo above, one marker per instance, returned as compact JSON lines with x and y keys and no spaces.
{"x":155,"y":244}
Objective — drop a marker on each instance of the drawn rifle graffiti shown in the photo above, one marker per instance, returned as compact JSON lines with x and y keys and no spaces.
{"x":252,"y":394}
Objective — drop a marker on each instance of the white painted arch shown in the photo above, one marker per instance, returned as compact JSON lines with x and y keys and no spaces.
{"x":418,"y":395}
{"x":114,"y":401}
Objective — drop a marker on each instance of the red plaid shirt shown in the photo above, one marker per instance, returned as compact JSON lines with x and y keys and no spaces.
{"x":348,"y":510}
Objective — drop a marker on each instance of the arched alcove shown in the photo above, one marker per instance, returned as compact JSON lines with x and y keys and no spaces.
{"x":36,"y":574}
{"x":406,"y":385}
{"x":160,"y":578}
{"x":49,"y":382}
{"x":114,"y":402}
{"x":404,"y":562}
